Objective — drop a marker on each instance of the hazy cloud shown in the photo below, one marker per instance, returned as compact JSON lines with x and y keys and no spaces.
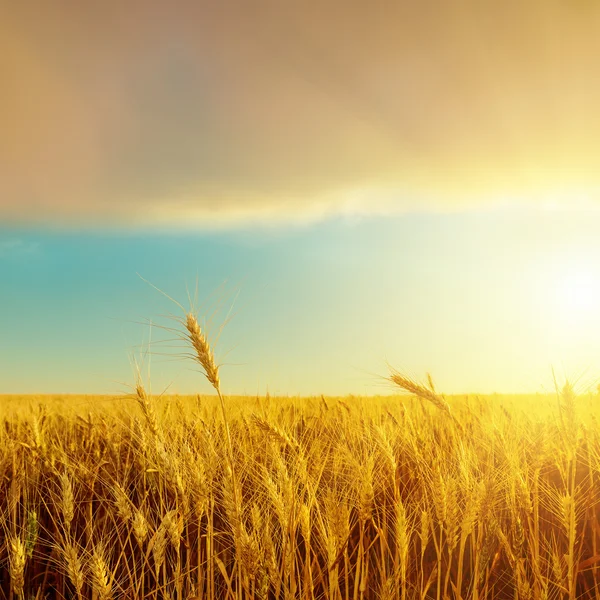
{"x":206,"y":112}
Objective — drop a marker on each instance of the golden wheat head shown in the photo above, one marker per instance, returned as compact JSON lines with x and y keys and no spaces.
{"x":202,"y":350}
{"x":413,"y":387}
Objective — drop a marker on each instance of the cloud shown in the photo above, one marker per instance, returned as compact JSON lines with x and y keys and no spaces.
{"x":140,"y":113}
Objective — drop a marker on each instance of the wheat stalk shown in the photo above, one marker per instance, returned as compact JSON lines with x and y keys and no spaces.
{"x":148,"y":411}
{"x":74,"y":567}
{"x":100,"y":574}
{"x":413,"y":387}
{"x":203,"y":352}
{"x":67,"y":501}
{"x":17,"y":559}
{"x":159,"y":544}
{"x":122,"y":503}
{"x":140,"y":527}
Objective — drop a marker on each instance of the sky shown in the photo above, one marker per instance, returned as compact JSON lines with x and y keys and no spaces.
{"x":407,"y":182}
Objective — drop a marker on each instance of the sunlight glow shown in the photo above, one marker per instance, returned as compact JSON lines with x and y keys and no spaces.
{"x":579,"y":294}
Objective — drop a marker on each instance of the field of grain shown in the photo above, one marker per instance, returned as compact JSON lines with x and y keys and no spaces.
{"x":406,"y":497}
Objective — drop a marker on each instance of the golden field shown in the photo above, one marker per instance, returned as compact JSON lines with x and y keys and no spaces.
{"x":409,"y":497}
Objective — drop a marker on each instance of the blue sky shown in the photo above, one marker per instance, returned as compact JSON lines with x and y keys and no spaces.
{"x":478,"y":299}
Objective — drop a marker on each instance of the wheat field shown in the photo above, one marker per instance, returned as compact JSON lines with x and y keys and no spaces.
{"x":337,"y":498}
{"x":354,"y":181}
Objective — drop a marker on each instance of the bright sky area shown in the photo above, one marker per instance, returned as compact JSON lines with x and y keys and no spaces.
{"x":412,"y":182}
{"x":485,"y":301}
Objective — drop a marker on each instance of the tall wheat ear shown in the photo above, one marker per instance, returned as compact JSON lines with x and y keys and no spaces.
{"x":196,"y":337}
{"x":203,"y":353}
{"x":16,"y":561}
{"x":411,"y":386}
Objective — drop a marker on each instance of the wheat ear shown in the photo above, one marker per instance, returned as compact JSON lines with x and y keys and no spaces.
{"x":17,"y":565}
{"x":203,"y":352}
{"x":418,"y":390}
